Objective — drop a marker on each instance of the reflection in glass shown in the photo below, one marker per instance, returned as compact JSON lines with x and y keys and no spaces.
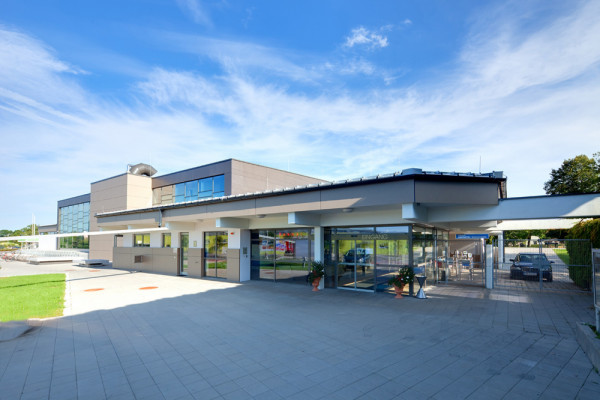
{"x":391,"y":256}
{"x":184,"y":238}
{"x":356,"y":264}
{"x":72,"y":219}
{"x":282,"y":255}
{"x":215,"y":254}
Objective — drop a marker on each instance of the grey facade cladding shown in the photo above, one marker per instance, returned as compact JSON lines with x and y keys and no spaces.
{"x":218,"y":168}
{"x":84,"y":198}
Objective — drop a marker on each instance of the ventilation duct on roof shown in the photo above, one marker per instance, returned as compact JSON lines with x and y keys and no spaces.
{"x":142,"y":169}
{"x":412,"y":171}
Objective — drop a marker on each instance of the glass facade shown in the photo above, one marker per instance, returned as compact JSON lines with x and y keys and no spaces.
{"x":282,"y":255}
{"x":205,"y":188}
{"x":364,"y":258}
{"x":73,"y":219}
{"x":215,"y":254}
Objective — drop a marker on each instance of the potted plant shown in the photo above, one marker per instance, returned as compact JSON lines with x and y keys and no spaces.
{"x":404,"y":276}
{"x":317,"y":271}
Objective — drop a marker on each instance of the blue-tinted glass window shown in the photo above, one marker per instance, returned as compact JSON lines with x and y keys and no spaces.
{"x":206,"y":185}
{"x":219,"y":184}
{"x":191,"y":190}
{"x":179,"y":193}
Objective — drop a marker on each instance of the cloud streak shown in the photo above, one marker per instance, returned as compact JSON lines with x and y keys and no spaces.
{"x":363,"y":37}
{"x":512,"y":98}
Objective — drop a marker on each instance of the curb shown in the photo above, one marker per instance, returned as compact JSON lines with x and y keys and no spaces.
{"x":589,"y":343}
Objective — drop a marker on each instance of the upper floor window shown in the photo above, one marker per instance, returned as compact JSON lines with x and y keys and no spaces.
{"x":213,"y":186}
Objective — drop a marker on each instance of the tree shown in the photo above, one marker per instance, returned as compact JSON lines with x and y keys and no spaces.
{"x":576,"y":175}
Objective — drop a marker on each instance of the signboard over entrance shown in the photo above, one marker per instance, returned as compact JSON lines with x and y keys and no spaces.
{"x":473,"y":236}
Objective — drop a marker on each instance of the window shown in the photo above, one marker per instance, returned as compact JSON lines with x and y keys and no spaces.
{"x":191,"y":190}
{"x":166,"y":240}
{"x":219,"y":186}
{"x":73,"y":219}
{"x":141,"y":240}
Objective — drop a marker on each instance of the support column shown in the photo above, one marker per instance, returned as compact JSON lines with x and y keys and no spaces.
{"x":319,"y":244}
{"x":501,"y":249}
{"x":489,"y":266}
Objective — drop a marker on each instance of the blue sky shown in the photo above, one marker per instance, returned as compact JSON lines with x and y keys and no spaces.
{"x":333,"y":89}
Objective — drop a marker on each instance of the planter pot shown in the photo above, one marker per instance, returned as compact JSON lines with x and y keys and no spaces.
{"x":315,"y":284}
{"x":398,"y":290}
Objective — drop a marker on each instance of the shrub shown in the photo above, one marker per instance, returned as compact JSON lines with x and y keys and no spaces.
{"x":580,"y":251}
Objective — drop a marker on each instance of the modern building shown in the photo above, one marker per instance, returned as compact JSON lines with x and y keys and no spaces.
{"x":239,"y":221}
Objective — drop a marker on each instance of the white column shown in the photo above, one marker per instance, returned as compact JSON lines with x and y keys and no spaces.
{"x":501,"y":249}
{"x":245,"y":246}
{"x":489,"y":266}
{"x":319,"y":244}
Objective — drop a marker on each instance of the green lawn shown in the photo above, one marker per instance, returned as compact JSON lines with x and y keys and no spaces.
{"x":31,"y":296}
{"x":563,"y":255}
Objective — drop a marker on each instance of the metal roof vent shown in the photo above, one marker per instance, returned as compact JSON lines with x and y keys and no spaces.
{"x":412,"y":171}
{"x":142,"y":169}
{"x":498,"y":174}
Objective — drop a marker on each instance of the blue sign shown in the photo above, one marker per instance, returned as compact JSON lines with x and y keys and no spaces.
{"x":473,"y":236}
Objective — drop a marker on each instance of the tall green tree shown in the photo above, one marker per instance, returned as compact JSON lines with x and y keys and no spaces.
{"x":580,"y":174}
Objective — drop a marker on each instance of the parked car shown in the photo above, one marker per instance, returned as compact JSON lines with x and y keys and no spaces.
{"x":362,"y":255}
{"x":528,"y":265}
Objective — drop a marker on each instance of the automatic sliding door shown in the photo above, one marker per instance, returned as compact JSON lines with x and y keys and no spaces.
{"x":346,"y":264}
{"x":355,"y":260}
{"x":267,"y":255}
{"x":365,"y":264}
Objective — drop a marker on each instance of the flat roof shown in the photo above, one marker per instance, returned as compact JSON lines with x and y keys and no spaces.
{"x":411,"y":174}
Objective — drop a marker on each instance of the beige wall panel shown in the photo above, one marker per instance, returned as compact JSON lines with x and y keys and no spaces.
{"x":185,"y":212}
{"x":357,"y":218}
{"x":382,"y":194}
{"x":244,"y":207}
{"x":139,"y":191}
{"x":456,"y":193}
{"x":101,"y":247}
{"x":233,"y":265}
{"x":165,"y":260}
{"x":122,"y":258}
{"x":250,"y":178}
{"x":196,"y":262}
{"x":289,"y":203}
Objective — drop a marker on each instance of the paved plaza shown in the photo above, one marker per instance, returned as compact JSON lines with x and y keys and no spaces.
{"x":146,"y":336}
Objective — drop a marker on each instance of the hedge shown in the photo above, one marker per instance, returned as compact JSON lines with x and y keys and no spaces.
{"x":580,"y":254}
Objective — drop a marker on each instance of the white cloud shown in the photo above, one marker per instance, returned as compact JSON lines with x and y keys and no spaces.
{"x":196,"y":10}
{"x":523,"y":102}
{"x":361,"y":36}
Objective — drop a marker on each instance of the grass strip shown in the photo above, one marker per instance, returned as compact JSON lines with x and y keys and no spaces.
{"x":563,"y":254}
{"x":31,"y":296}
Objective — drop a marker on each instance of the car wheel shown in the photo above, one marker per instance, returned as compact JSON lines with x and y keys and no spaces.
{"x":549,"y":279}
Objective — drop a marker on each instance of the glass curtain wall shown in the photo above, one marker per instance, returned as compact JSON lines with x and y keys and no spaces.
{"x":205,"y":188}
{"x":73,"y":219}
{"x":282,"y":255}
{"x":430,"y":250}
{"x":364,"y":258}
{"x":423,"y":252}
{"x":215,"y":254}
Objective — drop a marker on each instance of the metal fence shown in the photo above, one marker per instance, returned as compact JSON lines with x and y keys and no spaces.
{"x":553,"y":264}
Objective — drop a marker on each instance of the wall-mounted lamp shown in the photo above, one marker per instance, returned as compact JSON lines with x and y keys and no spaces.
{"x":347,"y":210}
{"x":260,"y":215}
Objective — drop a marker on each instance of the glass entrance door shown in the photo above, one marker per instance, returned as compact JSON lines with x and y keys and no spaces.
{"x":215,"y":254}
{"x":355,"y":264}
{"x":184,"y":244}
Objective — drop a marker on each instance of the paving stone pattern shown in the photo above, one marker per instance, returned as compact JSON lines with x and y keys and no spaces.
{"x":203,"y":339}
